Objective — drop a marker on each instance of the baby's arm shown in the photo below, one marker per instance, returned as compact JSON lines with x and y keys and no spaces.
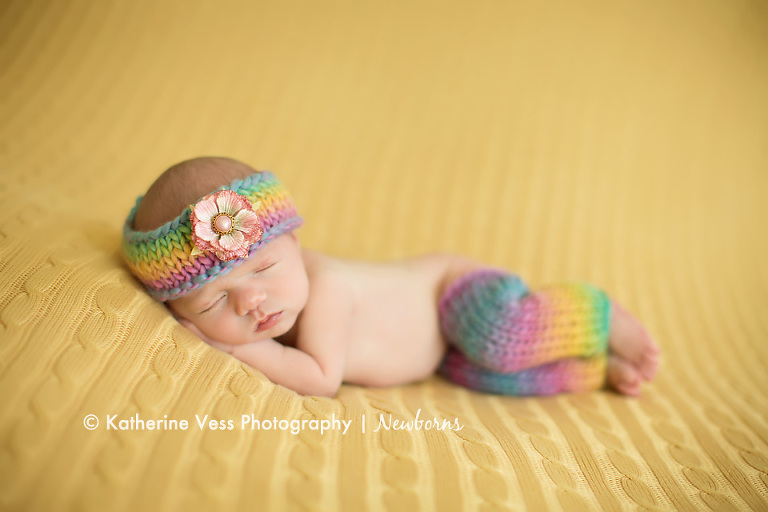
{"x":318,"y":374}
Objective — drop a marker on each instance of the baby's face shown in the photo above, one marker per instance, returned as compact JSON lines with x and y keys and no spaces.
{"x":262,"y":298}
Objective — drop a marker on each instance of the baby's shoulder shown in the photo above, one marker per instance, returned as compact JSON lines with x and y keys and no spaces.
{"x":325,"y":274}
{"x":331,"y":292}
{"x":320,"y":266}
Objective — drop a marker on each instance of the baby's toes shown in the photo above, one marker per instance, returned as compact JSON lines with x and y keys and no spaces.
{"x":623,"y":376}
{"x":649,"y":365}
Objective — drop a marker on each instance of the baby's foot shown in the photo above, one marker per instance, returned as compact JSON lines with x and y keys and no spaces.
{"x":633,"y":355}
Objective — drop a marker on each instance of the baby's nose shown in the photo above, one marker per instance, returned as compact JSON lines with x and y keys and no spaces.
{"x":249,"y":300}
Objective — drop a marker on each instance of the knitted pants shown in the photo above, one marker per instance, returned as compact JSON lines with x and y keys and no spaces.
{"x":504,"y":339}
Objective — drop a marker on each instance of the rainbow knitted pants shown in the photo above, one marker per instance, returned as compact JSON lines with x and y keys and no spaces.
{"x":504,"y":339}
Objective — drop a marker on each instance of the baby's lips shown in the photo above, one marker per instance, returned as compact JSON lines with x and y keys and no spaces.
{"x":269,"y":321}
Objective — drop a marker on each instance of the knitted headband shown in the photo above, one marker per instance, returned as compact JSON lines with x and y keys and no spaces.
{"x":209,"y":238}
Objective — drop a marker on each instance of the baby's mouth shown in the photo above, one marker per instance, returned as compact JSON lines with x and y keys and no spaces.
{"x":269,"y":321}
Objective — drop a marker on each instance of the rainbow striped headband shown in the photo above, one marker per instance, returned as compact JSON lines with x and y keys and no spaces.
{"x":209,"y":238}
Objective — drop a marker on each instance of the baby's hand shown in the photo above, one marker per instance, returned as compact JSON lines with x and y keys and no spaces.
{"x":215,"y":344}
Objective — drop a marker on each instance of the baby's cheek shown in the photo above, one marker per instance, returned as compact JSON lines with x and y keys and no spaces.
{"x":235,"y":331}
{"x":210,"y":329}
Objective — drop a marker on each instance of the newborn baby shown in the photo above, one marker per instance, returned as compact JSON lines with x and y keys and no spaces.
{"x":215,"y":240}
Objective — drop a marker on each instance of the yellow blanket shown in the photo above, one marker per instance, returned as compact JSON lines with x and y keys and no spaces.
{"x":622,"y":143}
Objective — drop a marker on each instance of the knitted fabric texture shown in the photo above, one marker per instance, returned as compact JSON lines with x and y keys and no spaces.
{"x":163,"y":259}
{"x":505,"y":339}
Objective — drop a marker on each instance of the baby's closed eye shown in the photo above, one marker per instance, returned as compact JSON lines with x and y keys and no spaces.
{"x":218,"y":301}
{"x":262,"y":268}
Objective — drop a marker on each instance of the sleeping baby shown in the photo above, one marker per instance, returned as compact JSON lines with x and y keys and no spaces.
{"x":215,"y":241}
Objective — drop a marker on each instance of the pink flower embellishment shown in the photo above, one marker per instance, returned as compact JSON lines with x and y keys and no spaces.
{"x":224,"y":222}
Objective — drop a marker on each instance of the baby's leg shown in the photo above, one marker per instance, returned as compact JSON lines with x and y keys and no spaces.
{"x":571,"y":375}
{"x":633,"y":358}
{"x":492,"y":319}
